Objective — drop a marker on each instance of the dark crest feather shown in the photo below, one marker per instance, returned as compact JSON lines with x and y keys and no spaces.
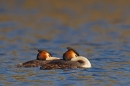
{"x":43,"y":50}
{"x":69,"y":48}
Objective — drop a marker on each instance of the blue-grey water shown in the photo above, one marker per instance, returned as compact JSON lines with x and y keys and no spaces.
{"x":98,"y":30}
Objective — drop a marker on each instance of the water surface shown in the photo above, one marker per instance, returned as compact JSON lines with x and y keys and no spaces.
{"x":99,"y":30}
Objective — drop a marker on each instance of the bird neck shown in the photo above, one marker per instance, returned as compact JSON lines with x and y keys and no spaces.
{"x":83,"y":61}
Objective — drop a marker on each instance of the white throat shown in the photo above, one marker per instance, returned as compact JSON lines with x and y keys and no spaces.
{"x":86,"y":63}
{"x":52,"y":58}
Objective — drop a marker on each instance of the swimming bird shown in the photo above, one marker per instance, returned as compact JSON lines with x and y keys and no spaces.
{"x":71,"y":59}
{"x":43,"y":57}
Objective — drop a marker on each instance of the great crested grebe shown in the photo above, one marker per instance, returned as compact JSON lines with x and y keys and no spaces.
{"x":71,"y":59}
{"x":43,"y":57}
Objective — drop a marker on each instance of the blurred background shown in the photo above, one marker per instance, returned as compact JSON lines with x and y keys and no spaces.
{"x":97,"y":29}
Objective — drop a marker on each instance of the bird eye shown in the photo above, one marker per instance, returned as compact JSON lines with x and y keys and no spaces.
{"x":75,"y":55}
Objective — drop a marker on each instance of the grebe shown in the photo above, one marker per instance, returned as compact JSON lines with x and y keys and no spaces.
{"x":43,"y":57}
{"x":71,"y":59}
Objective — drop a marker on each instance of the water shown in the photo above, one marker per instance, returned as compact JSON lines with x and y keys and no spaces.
{"x":98,"y":30}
